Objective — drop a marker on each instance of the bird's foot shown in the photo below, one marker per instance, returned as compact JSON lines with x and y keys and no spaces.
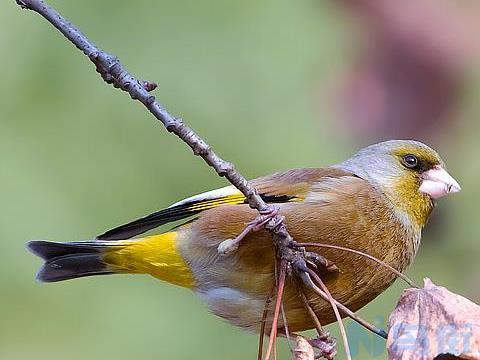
{"x":325,"y":344}
{"x":302,"y":258}
{"x":320,"y":262}
{"x":228,"y":246}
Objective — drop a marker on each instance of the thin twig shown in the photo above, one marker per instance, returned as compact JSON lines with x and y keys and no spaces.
{"x":282,"y":308}
{"x":285,"y":326}
{"x":278,"y":301}
{"x":113,"y":72}
{"x":311,"y":285}
{"x":275,"y":348}
{"x":337,"y":314}
{"x":368,"y":256}
{"x":313,"y":316}
{"x":266,"y":309}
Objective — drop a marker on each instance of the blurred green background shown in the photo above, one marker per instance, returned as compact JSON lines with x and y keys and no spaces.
{"x":257,"y":80}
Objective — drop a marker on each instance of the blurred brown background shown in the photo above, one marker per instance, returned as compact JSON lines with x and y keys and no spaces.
{"x":271,"y":85}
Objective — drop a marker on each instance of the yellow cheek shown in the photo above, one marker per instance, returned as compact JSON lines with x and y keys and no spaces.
{"x":409,"y":199}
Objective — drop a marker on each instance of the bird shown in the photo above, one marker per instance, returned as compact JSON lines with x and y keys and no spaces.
{"x":377,"y":202}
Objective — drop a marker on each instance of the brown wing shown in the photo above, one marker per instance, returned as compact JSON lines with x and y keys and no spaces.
{"x":281,"y":187}
{"x":295,"y":183}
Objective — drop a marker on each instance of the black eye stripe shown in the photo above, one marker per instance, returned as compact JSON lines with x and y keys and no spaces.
{"x":410,"y":161}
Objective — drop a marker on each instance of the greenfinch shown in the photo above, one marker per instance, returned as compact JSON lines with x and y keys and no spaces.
{"x":376,"y":202}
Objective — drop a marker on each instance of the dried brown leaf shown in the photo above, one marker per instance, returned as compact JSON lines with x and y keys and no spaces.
{"x":303,"y":350}
{"x":431,"y":322}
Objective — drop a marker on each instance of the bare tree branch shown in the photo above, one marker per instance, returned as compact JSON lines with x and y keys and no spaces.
{"x":113,"y":72}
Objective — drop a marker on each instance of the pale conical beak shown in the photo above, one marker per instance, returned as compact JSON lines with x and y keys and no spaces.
{"x":437,"y":183}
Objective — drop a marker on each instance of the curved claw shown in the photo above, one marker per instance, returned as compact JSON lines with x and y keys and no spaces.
{"x":320,"y":262}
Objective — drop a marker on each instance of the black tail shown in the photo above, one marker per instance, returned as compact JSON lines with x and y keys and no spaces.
{"x":65,"y":261}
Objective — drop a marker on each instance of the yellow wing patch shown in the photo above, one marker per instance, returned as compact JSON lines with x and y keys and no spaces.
{"x":209,"y":204}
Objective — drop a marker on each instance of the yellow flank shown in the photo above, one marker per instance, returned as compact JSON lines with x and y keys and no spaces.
{"x":155,"y":255}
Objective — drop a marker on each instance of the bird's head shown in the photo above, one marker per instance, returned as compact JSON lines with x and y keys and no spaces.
{"x":409,"y":173}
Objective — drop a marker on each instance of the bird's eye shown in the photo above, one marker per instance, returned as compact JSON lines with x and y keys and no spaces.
{"x":410,"y":161}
